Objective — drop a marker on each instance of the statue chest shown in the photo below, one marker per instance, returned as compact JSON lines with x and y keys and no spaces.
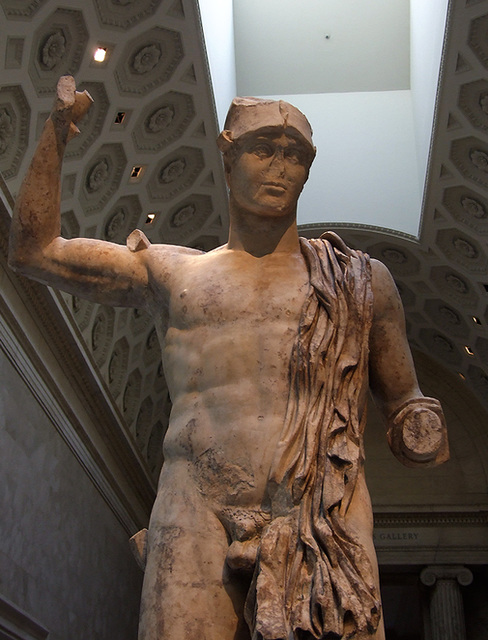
{"x":225,"y":294}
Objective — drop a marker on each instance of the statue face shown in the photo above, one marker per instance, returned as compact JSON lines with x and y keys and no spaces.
{"x":268,"y":174}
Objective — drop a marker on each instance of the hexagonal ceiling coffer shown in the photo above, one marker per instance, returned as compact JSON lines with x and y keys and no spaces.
{"x":152,"y":349}
{"x":478,"y":39}
{"x":470,"y":155}
{"x":21,"y":8}
{"x":439,"y":345}
{"x":131,"y":396}
{"x":124,"y":14}
{"x":399,"y":260}
{"x":57,"y":49}
{"x":102,"y":177}
{"x":175,"y":173}
{"x":154,"y":448}
{"x":101,"y":334}
{"x":446,"y":318}
{"x":467,"y":207}
{"x":144,"y":422}
{"x":149,"y":61}
{"x":139,"y":322}
{"x":163,"y":121}
{"x":479,"y":380}
{"x":14,"y":129}
{"x":70,"y":227}
{"x":481,"y":349}
{"x":82,"y":310}
{"x":186,"y":220}
{"x":473,"y":102}
{"x":117,"y":366}
{"x":91,"y":125}
{"x":122,"y":219}
{"x":462,"y":249}
{"x":452,"y":284}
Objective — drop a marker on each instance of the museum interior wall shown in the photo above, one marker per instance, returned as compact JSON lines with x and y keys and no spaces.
{"x":83,"y":402}
{"x":65,"y":559}
{"x":66,"y":497}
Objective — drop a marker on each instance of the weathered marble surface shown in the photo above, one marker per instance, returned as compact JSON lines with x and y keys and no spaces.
{"x":236,"y":492}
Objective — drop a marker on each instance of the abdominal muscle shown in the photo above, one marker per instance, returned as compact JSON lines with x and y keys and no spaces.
{"x":229,"y":388}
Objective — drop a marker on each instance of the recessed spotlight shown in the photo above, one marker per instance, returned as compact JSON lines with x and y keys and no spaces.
{"x":99,"y":55}
{"x":150,"y":218}
{"x":120,"y":117}
{"x":137,"y":172}
{"x":469,"y":351}
{"x":461,"y":375}
{"x":476,"y":320}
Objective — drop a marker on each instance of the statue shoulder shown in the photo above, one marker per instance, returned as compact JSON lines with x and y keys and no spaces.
{"x":383,"y":286}
{"x":340,"y":248}
{"x":164,"y":264}
{"x":137,"y":242}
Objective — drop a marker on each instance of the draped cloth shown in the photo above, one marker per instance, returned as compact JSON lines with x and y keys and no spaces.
{"x":311,"y":574}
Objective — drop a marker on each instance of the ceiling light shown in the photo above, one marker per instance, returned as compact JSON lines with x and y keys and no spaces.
{"x":150,"y":218}
{"x":99,"y":55}
{"x":476,"y":320}
{"x":137,"y":172}
{"x":469,"y":351}
{"x":120,"y":117}
{"x":461,"y":375}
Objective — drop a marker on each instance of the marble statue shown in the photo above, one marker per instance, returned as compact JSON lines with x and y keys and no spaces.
{"x":262,"y":525}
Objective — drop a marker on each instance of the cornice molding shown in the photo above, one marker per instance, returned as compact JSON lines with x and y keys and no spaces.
{"x":17,"y":623}
{"x":448,"y":519}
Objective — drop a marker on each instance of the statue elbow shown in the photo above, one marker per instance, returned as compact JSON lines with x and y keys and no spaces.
{"x":24,"y":262}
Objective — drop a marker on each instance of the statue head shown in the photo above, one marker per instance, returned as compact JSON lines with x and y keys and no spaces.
{"x":248,"y":116}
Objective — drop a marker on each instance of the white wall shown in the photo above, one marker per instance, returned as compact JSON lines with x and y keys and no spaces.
{"x":218,"y":25}
{"x":281,"y":46}
{"x":373,"y":146}
{"x":365,"y":170}
{"x":428,"y":22}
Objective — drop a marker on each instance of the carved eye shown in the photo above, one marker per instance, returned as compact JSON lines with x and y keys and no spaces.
{"x":294,"y":155}
{"x":262,"y":150}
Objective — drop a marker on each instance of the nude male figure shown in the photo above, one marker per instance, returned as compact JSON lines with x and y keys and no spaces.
{"x":228,"y":322}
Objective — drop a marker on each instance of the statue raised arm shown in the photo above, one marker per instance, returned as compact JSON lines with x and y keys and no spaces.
{"x":101,"y":271}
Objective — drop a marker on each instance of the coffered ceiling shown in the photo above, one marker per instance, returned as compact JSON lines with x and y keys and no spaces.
{"x":147,"y":158}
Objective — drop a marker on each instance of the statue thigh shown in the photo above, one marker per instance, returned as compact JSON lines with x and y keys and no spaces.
{"x":189,"y":592}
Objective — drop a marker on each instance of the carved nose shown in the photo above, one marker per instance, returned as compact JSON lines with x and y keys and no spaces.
{"x":278,"y":163}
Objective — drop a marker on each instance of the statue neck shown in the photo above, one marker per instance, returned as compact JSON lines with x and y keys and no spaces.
{"x":262,"y":235}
